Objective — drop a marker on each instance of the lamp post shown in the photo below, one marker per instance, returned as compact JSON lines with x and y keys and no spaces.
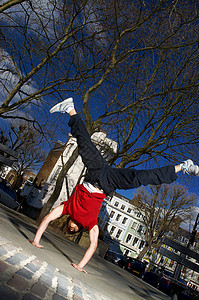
{"x":191,"y":241}
{"x":193,"y":233}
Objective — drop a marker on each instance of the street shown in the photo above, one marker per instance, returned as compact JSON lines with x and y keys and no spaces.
{"x":30,"y":273}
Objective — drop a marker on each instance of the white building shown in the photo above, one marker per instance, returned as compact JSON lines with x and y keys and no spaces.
{"x":123,"y":225}
{"x":38,"y":197}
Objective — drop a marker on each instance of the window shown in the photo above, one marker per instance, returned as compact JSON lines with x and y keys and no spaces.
{"x":108,"y":198}
{"x":138,"y":215}
{"x":171,"y":263}
{"x":123,"y":207}
{"x":140,"y":229}
{"x":112,"y":214}
{"x":118,"y":233}
{"x":112,"y":230}
{"x":116,"y":203}
{"x":118,"y":217}
{"x":134,"y":225}
{"x":126,"y":252}
{"x":124,"y":220}
{"x":141,"y":245}
{"x":135,"y":241}
{"x":129,"y":236}
{"x":129,"y":210}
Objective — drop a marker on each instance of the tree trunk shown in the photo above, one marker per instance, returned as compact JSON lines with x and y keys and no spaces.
{"x":53,"y":198}
{"x":17,"y":182}
{"x":143,"y":252}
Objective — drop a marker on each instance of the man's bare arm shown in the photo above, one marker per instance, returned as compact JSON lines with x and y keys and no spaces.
{"x":54,"y":214}
{"x":93,"y":235}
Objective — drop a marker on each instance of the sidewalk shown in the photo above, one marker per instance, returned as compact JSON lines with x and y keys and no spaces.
{"x":29,"y":273}
{"x":24,"y":276}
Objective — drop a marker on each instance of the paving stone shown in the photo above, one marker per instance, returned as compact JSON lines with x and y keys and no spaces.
{"x":25,"y":273}
{"x":32,"y":267}
{"x":77,"y":297}
{"x":77,"y":291}
{"x":7,"y":294}
{"x":3,"y":251}
{"x":93,"y":294}
{"x":76,"y":281}
{"x":49,"y":274}
{"x":16,"y":259}
{"x":58,"y":297}
{"x":50,"y":269}
{"x":18,"y":282}
{"x":62,"y":291}
{"x":30,"y":297}
{"x":39,"y":289}
{"x":37,"y":262}
{"x":62,"y":280}
{"x":62,"y":273}
{"x":46,"y":280}
{"x":3,"y":266}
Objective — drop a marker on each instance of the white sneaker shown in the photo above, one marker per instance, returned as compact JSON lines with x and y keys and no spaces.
{"x":188,"y":167}
{"x":65,"y":106}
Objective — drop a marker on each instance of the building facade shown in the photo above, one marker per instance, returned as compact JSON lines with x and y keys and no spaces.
{"x":122,"y":225}
{"x":39,"y":193}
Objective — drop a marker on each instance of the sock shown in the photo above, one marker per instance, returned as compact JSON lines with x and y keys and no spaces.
{"x":70,"y":108}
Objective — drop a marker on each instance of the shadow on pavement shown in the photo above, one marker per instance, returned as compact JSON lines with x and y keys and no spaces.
{"x":143,"y":292}
{"x":16,"y":225}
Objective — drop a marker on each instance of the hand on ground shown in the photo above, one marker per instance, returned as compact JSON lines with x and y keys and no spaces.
{"x":78,"y":268}
{"x":35,"y":244}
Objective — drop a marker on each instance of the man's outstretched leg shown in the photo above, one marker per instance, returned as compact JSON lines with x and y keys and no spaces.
{"x":126,"y":178}
{"x":91,"y":156}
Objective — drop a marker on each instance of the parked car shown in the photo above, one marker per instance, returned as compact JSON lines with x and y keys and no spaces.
{"x":151,"y":277}
{"x":113,"y":257}
{"x":133,"y":265}
{"x":165,"y":282}
{"x":161,"y":279}
{"x":7,"y":195}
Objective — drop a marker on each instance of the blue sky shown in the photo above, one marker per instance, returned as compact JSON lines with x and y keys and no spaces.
{"x":56,"y":124}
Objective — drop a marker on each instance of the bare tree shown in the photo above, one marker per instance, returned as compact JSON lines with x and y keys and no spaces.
{"x":27,"y":143}
{"x":134,"y":65}
{"x":162,"y":208}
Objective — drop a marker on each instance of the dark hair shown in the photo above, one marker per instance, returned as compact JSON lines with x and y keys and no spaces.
{"x":81,"y":228}
{"x":68,"y":219}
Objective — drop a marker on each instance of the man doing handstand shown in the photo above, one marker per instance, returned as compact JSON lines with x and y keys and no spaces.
{"x":84,"y":204}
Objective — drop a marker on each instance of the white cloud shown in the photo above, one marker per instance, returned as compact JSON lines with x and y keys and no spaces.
{"x":9,"y":78}
{"x":40,"y":16}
